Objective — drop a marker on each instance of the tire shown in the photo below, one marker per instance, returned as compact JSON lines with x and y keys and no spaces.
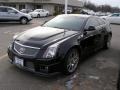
{"x":38,"y":16}
{"x":107,"y":44}
{"x":23,"y":20}
{"x":118,"y":82}
{"x":71,"y":61}
{"x":47,"y":15}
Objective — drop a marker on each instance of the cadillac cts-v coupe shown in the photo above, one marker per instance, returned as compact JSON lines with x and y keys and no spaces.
{"x":59,"y":44}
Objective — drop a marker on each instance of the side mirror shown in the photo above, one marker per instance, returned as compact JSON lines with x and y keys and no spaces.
{"x":91,"y":28}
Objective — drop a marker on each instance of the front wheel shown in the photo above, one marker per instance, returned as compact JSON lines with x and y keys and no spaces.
{"x":23,"y":20}
{"x":38,"y":16}
{"x":71,"y":61}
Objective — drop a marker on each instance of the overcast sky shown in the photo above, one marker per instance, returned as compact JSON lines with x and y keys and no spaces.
{"x":115,"y":3}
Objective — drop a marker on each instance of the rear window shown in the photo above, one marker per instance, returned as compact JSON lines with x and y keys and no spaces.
{"x":101,"y":21}
{"x":115,"y":15}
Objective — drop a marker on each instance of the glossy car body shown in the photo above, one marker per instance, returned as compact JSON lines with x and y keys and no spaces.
{"x":113,"y":18}
{"x":12,"y":14}
{"x":39,"y":13}
{"x":45,"y":50}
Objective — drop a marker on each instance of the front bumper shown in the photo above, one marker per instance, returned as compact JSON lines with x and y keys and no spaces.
{"x":37,"y":66}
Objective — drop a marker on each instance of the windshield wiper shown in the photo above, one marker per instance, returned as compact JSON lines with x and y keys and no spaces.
{"x":58,"y":27}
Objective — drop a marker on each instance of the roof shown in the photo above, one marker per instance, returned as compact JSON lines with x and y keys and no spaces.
{"x":6,"y":7}
{"x":78,"y":15}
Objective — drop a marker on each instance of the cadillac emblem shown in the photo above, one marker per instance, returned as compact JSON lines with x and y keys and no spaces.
{"x":21,"y":50}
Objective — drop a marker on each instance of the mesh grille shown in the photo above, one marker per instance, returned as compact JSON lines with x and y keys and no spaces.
{"x":25,"y":50}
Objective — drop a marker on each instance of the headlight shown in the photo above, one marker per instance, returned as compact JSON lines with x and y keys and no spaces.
{"x":51,"y":51}
{"x":14,"y":37}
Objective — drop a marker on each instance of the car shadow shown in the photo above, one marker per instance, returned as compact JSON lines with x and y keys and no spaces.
{"x":58,"y":75}
{"x":55,"y":77}
{"x":115,"y":24}
{"x":59,"y":78}
{"x":43,"y":78}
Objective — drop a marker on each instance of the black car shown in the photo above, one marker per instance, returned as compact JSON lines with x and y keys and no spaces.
{"x":59,"y":44}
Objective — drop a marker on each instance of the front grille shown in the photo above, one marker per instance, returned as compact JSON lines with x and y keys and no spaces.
{"x":25,"y":50}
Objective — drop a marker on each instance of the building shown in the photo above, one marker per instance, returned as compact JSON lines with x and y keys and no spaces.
{"x":50,"y":5}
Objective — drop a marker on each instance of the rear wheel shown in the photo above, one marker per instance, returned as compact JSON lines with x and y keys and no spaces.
{"x":107,"y":43}
{"x":47,"y":15}
{"x":23,"y":20}
{"x":71,"y":61}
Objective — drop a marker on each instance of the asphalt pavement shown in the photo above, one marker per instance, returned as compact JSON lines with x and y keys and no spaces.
{"x":98,"y":72}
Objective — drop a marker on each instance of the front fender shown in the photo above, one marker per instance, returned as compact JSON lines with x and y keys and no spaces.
{"x":67,"y":45}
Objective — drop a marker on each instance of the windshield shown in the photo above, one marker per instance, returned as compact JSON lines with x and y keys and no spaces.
{"x":15,"y":10}
{"x":66,"y":22}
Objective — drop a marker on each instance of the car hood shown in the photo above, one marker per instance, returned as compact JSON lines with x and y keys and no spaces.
{"x":23,"y":13}
{"x":104,"y":16}
{"x":42,"y":35}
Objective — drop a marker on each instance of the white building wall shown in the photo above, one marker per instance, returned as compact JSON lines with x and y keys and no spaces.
{"x":29,"y":6}
{"x":70,"y":2}
{"x":49,"y":7}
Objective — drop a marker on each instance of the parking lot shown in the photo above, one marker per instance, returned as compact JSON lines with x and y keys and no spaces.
{"x":97,"y":72}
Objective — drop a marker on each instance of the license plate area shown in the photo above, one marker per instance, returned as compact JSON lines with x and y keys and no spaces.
{"x":19,"y":61}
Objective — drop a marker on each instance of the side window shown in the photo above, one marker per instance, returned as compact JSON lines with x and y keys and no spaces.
{"x":3,"y":9}
{"x":43,"y":10}
{"x":40,"y":10}
{"x":101,"y":21}
{"x":10,"y":10}
{"x":92,"y":22}
{"x":115,"y":15}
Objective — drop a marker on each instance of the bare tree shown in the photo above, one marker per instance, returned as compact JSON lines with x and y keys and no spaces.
{"x":102,"y":8}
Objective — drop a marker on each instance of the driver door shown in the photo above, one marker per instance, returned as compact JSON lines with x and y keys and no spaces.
{"x":43,"y":12}
{"x":12,"y":14}
{"x":90,"y":38}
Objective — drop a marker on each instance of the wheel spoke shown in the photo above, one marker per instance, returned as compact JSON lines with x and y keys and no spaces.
{"x":72,"y":61}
